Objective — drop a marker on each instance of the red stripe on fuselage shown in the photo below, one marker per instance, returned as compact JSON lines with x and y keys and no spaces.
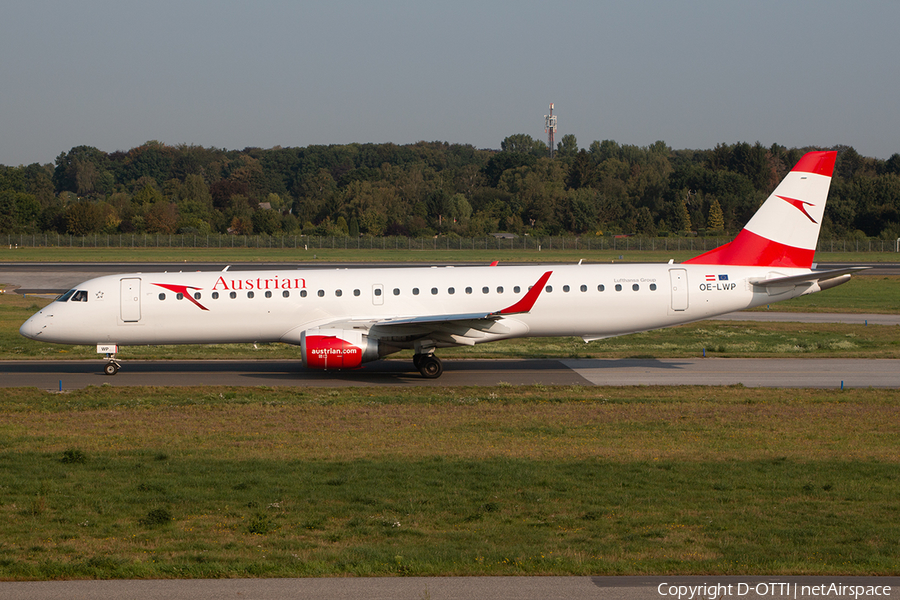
{"x":749,"y":249}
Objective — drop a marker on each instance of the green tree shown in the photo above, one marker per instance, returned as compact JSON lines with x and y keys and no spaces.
{"x":683,"y":217}
{"x":8,"y":212}
{"x":162,"y":217}
{"x":716,"y":219}
{"x":644,"y":222}
{"x":266,"y":221}
{"x":524,"y":144}
{"x":581,"y":172}
{"x":567,"y":147}
{"x":84,"y":218}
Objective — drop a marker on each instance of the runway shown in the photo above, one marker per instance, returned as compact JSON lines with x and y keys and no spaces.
{"x":750,"y":372}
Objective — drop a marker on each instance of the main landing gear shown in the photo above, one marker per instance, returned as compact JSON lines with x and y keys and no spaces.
{"x":429,"y":365}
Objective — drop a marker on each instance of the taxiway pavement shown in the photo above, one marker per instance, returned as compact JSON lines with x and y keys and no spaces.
{"x":751,"y":372}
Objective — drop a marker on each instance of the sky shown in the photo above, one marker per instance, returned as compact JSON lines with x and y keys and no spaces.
{"x":114,"y":74}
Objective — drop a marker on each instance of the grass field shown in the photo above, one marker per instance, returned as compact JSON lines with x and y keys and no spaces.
{"x":229,"y":482}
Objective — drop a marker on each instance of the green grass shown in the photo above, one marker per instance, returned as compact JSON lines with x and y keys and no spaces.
{"x":229,"y":482}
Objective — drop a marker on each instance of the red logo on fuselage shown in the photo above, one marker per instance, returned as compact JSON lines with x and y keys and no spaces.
{"x":183,"y":290}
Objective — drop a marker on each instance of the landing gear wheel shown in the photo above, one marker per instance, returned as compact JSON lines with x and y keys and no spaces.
{"x":111,"y":368}
{"x":430,"y":366}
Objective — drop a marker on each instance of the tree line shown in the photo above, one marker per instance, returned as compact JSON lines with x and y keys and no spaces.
{"x":434,"y":188}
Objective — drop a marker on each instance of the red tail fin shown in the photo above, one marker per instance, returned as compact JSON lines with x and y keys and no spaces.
{"x":785,"y":230}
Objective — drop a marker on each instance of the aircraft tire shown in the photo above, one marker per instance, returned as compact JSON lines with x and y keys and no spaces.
{"x":430,"y":367}
{"x":111,"y":368}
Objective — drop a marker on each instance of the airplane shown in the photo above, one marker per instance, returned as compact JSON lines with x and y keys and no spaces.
{"x":343,"y":318}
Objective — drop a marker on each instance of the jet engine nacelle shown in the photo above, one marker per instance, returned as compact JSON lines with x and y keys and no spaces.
{"x":336,"y":348}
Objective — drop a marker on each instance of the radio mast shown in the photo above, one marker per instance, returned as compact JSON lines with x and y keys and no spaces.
{"x":550,"y":128}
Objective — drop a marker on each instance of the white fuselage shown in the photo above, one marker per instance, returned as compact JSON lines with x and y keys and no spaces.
{"x":592,"y":301}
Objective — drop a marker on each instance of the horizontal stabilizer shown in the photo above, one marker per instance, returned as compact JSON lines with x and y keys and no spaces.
{"x":811,"y":277}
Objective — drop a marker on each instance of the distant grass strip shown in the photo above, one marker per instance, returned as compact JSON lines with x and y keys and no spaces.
{"x":243,"y":482}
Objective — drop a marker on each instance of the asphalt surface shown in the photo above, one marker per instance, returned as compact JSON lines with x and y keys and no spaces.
{"x":750,"y":372}
{"x":447,"y":588}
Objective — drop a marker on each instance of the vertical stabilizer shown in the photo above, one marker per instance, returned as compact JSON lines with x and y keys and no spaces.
{"x":785,"y":230}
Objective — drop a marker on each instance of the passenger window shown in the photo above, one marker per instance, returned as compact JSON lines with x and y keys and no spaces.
{"x":356,"y":292}
{"x":321,"y":293}
{"x":468,"y":290}
{"x":485,"y":290}
{"x":635,"y":287}
{"x":583,"y":288}
{"x":549,"y":288}
{"x":601,"y":288}
{"x":196,"y":295}
{"x":652,"y":287}
{"x":338,"y":293}
{"x":250,"y":294}
{"x":499,"y":289}
{"x":268,"y":294}
{"x":451,"y":291}
{"x":434,"y":291}
{"x":377,"y":291}
{"x":215,"y":295}
{"x":415,"y":291}
{"x":286,"y":294}
{"x":178,"y":296}
{"x":566,"y":288}
{"x":303,"y":293}
{"x":618,"y":287}
{"x":396,"y":291}
{"x":233,"y":295}
{"x":517,"y":289}
{"x":162,"y":296}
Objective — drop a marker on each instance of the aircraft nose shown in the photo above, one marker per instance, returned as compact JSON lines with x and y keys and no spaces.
{"x":33,"y":327}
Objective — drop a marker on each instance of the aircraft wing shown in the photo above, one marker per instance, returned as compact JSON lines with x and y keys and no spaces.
{"x":457,"y":328}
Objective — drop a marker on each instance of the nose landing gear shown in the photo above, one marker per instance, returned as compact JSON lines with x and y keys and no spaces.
{"x":112,"y":367}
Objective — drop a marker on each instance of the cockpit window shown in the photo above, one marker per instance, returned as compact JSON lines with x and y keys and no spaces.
{"x":65,"y":297}
{"x":80,"y":296}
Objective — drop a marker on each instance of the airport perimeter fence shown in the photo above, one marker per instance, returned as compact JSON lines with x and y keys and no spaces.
{"x":318,"y":242}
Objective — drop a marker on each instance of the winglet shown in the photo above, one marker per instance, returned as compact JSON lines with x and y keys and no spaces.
{"x":495,"y":263}
{"x":524,"y":305}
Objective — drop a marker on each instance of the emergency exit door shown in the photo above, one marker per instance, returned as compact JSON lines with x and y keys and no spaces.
{"x":679,"y":284}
